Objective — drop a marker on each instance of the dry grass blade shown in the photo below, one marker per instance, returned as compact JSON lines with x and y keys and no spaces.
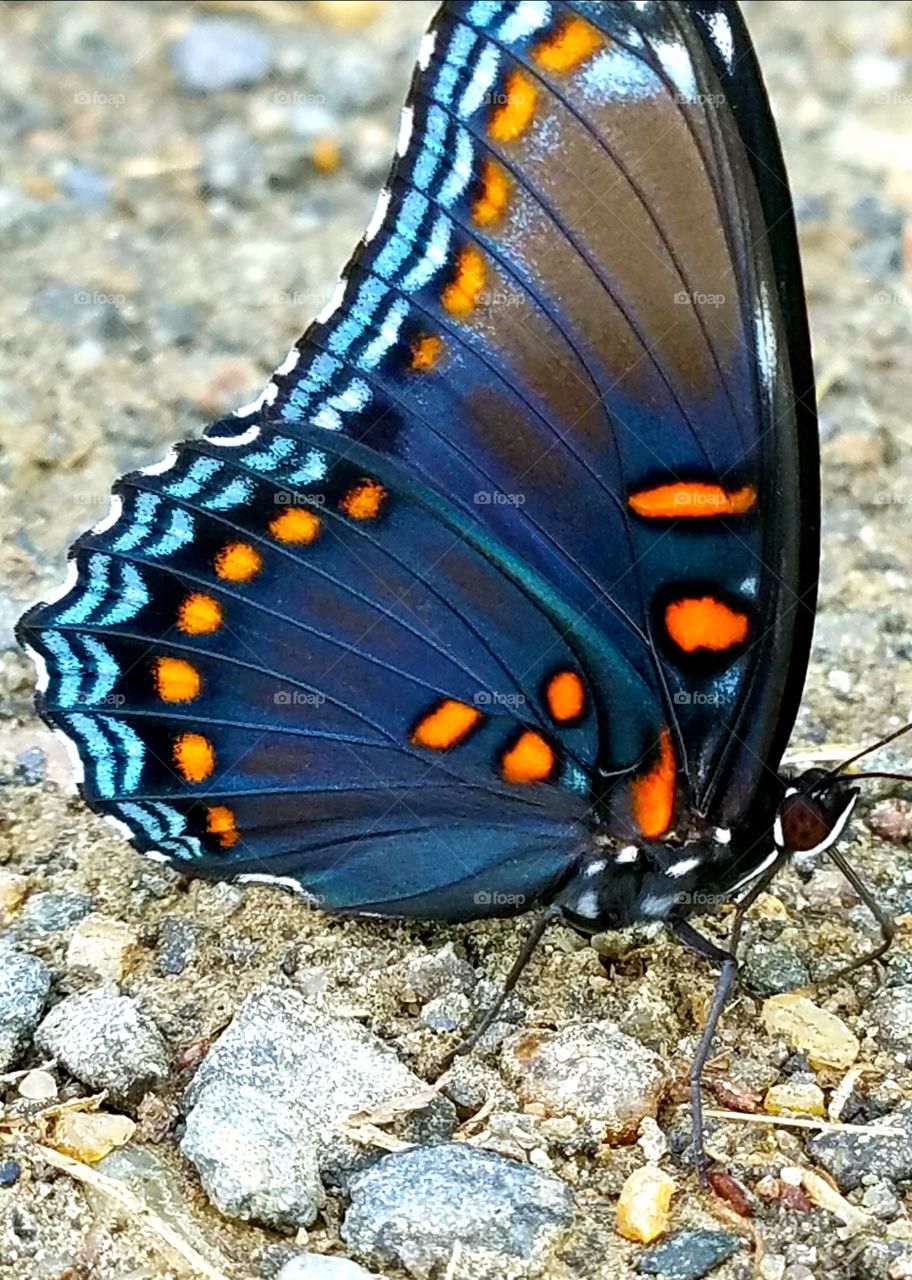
{"x":807,"y":1122}
{"x":129,"y":1201}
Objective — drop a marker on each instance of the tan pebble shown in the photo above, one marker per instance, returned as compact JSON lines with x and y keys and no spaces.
{"x":348,"y":14}
{"x":325,"y":155}
{"x":89,"y":1136}
{"x":642,"y":1210}
{"x":822,"y":1036}
{"x":557,"y":1127}
{"x":13,"y":889}
{"x":769,"y":907}
{"x":803,"y":1096}
{"x":38,"y":1086}
{"x":103,"y":945}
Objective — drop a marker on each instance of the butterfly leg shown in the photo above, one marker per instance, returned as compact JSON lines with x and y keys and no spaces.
{"x":745,"y":903}
{"x":547,"y":917}
{"x":727,"y":974}
{"x":886,"y":923}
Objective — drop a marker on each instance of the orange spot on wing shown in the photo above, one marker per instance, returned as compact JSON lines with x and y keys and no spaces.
{"x":705,"y":623}
{"x":565,"y":695}
{"x":492,"y":200}
{"x":194,"y":757}
{"x":364,"y":500}
{"x":176,"y":680}
{"x":530,"y":759}
{"x":238,"y":562}
{"x":512,"y":116}
{"x":574,"y":40}
{"x":295,"y":525}
{"x":652,"y":794}
{"x":199,"y":614}
{"x":446,"y":725}
{"x":461,"y":294}
{"x":692,"y":500}
{"x":426,"y":352}
{"x":220,"y":822}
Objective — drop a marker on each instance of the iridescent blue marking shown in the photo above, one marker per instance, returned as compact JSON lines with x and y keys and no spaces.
{"x":461,"y":44}
{"x":142,"y":516}
{"x":92,"y":597}
{"x":483,"y":12}
{"x":100,"y":751}
{"x":313,"y":470}
{"x":132,"y":597}
{"x":388,"y":334}
{"x":178,"y":533}
{"x":368,"y":298}
{"x":68,"y":670}
{"x":189,"y":485}
{"x":435,"y":256}
{"x":234,"y":494}
{"x":319,"y":373}
{"x":106,"y":668}
{"x":482,"y":79}
{"x":432,"y":148}
{"x":397,"y":249}
{"x":269,"y":459}
{"x":526,"y":17}
{"x":134,"y":751}
{"x":460,"y":174}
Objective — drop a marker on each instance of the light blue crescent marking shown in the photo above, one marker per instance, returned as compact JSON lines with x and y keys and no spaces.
{"x":144,"y":509}
{"x":360,"y":315}
{"x":432,"y":148}
{"x":269,"y":459}
{"x":235,"y":493}
{"x":69,"y":668}
{"x":140,"y":816}
{"x":434,"y":257}
{"x":355,"y":396}
{"x":460,"y":46}
{"x":100,"y":751}
{"x":526,"y":17}
{"x":189,"y":485}
{"x":460,"y":174}
{"x":132,"y":597}
{"x":483,"y":12}
{"x":314,"y":469}
{"x":390,"y":326}
{"x":482,"y":79}
{"x":133,"y":748}
{"x":178,"y":533}
{"x":106,"y":667}
{"x":398,"y":247}
{"x":92,"y":597}
{"x":319,"y":373}
{"x":327,"y":418}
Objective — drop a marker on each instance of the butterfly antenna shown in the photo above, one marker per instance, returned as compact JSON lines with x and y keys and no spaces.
{"x":840,"y":769}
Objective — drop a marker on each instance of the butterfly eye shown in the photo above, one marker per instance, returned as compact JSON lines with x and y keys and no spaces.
{"x":804,"y":823}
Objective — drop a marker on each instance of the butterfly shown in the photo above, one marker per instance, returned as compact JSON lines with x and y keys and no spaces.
{"x":500,"y":597}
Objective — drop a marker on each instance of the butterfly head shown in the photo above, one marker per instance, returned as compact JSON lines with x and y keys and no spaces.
{"x":813,"y":812}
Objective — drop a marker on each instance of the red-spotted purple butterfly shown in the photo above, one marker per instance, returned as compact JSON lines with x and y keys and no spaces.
{"x":500,"y":597}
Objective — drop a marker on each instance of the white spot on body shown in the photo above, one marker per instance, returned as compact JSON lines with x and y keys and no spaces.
{"x":596,"y":868}
{"x":682,"y":867}
{"x":587,"y":905}
{"x":628,"y":854}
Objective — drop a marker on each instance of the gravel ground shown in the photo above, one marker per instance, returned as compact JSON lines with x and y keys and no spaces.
{"x":176,"y":200}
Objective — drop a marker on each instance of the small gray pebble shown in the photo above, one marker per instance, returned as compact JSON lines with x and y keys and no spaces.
{"x":321,"y":1266}
{"x":215,"y":54}
{"x":891,"y":1014}
{"x":412,"y":1208}
{"x":447,"y":1013}
{"x":24,"y":985}
{"x":106,"y":1041}
{"x":52,"y":911}
{"x":440,"y":973}
{"x":769,"y":968}
{"x":688,"y":1255}
{"x":849,"y":1157}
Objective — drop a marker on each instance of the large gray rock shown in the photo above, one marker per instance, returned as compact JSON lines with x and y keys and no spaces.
{"x":24,"y":985}
{"x":412,"y":1209}
{"x":106,"y":1041}
{"x":265,"y":1110}
{"x":592,"y":1071}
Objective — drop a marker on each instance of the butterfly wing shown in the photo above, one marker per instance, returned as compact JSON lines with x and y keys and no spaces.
{"x":456,"y":589}
{"x":578,"y":314}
